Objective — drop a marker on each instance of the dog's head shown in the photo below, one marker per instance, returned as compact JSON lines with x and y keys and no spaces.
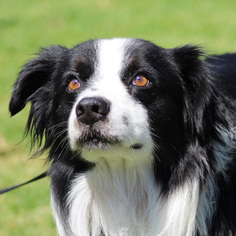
{"x":118,"y":99}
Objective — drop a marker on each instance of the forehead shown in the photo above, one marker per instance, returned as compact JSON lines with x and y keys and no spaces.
{"x":111,"y":55}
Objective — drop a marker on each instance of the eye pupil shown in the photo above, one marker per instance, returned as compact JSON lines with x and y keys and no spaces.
{"x":141,"y":81}
{"x":73,"y":85}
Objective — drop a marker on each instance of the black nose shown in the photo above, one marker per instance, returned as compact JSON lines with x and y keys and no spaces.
{"x":91,"y":110}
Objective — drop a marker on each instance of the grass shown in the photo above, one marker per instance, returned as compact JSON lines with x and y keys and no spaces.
{"x":25,"y":26}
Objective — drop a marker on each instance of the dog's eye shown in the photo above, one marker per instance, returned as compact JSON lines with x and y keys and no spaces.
{"x":73,"y":85}
{"x":141,"y":81}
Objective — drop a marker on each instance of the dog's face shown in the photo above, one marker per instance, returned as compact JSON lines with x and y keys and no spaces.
{"x":110,"y":116}
{"x":119,"y":98}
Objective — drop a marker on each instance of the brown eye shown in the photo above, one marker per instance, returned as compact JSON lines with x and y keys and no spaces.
{"x":73,"y":85}
{"x":141,"y":81}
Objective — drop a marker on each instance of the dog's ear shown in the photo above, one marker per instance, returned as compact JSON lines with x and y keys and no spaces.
{"x":196,"y":75}
{"x":34,"y":75}
{"x":200,"y":93}
{"x":189,"y":61}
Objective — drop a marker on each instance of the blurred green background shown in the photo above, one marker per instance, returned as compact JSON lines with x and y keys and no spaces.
{"x":27,"y":25}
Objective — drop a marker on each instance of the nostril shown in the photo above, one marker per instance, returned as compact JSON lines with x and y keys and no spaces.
{"x":79,"y":110}
{"x":91,"y":110}
{"x":96,"y":108}
{"x":103,"y":108}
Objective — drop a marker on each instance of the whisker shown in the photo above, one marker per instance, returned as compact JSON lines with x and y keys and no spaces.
{"x":58,"y":125}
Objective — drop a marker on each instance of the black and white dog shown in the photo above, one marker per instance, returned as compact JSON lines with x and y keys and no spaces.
{"x":141,"y":139}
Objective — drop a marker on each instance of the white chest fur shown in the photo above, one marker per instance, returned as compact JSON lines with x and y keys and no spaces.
{"x":117,"y":201}
{"x":126,"y":202}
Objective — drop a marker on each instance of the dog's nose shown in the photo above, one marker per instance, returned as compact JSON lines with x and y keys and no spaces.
{"x":91,"y":110}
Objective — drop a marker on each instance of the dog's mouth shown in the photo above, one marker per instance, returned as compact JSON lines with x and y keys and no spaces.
{"x":96,"y":140}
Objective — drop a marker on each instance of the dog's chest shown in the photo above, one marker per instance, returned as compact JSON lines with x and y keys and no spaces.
{"x":115,"y":202}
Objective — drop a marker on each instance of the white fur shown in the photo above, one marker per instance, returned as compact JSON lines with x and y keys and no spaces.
{"x":223,"y":153}
{"x":126,"y":201}
{"x":206,"y":205}
{"x":61,"y":229}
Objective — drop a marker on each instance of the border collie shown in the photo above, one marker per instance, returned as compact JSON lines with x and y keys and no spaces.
{"x":141,"y":139}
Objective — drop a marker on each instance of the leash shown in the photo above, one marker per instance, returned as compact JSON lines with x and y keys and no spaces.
{"x":5,"y":190}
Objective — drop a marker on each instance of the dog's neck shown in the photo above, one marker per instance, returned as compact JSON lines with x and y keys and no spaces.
{"x":127,"y":201}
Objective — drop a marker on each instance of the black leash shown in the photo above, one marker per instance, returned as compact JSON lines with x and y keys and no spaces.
{"x":5,"y":190}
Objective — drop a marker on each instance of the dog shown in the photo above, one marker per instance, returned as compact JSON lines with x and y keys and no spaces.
{"x":140,"y":139}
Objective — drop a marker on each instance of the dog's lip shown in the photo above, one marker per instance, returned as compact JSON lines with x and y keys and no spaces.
{"x":97,"y":140}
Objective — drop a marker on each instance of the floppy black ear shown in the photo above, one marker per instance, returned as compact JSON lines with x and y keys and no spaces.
{"x":34,"y":75}
{"x":203,"y":100}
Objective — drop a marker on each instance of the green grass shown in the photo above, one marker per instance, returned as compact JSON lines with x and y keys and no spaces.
{"x":25,"y":26}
